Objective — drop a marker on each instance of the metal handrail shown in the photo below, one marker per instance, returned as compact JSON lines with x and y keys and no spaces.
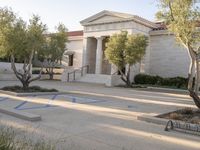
{"x":76,"y":70}
{"x":115,"y":73}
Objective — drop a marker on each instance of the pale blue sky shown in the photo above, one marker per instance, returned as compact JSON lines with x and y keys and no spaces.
{"x":71,"y":12}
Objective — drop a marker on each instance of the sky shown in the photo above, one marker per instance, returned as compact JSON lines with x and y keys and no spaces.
{"x":71,"y":12}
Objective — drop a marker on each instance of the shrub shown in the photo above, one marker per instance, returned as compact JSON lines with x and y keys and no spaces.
{"x":10,"y":141}
{"x":43,"y":72}
{"x":146,"y":79}
{"x":178,"y":82}
{"x":20,"y":89}
{"x":37,"y":72}
{"x":7,"y":137}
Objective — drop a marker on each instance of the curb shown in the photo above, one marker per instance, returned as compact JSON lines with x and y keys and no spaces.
{"x":20,"y":115}
{"x":167,"y":89}
{"x":31,"y":94}
{"x":152,"y":119}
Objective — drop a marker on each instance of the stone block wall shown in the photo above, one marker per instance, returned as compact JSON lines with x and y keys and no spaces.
{"x":167,"y":57}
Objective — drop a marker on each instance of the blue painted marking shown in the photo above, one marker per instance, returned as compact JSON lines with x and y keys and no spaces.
{"x":53,"y":98}
{"x":96,"y":101}
{"x":83,"y":100}
{"x":17,"y":107}
{"x":3,"y":99}
{"x":73,"y":100}
{"x":131,"y":106}
{"x":37,"y":107}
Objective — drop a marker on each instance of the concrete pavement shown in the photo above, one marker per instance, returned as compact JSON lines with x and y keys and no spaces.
{"x":94,"y":117}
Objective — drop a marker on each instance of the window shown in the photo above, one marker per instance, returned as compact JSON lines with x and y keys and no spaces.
{"x":71,"y":57}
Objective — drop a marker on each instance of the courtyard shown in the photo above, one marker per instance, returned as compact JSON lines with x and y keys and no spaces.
{"x":95,"y":117}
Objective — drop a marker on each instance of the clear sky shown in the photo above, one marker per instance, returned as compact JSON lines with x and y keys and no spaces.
{"x":71,"y":12}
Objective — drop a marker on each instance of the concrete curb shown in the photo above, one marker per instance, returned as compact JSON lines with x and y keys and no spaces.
{"x":167,"y":89}
{"x":181,"y":125}
{"x":31,"y":94}
{"x":152,"y":119}
{"x":20,"y":115}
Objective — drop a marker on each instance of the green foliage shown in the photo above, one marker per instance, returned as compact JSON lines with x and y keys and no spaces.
{"x":115,"y":49}
{"x":19,"y":41}
{"x":147,"y":79}
{"x":123,"y":49}
{"x":178,"y":82}
{"x":54,"y":46}
{"x":181,"y":17}
{"x":135,"y":48}
{"x":17,"y":38}
{"x":53,"y":49}
{"x":20,"y":89}
{"x":7,"y":137}
{"x":10,"y":141}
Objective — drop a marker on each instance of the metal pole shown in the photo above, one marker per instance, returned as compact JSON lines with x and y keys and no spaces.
{"x":81,"y":71}
{"x":68,"y":77}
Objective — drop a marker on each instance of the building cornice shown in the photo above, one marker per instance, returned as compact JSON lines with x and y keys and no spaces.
{"x":160,"y":32}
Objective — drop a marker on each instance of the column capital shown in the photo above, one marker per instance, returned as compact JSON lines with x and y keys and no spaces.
{"x":100,"y":37}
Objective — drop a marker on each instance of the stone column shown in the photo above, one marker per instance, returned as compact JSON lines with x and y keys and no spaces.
{"x":99,"y":56}
{"x":85,"y":53}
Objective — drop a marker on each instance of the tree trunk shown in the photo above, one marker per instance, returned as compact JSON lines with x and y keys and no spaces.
{"x":126,"y":77}
{"x":51,"y":73}
{"x":50,"y":76}
{"x":128,"y":83}
{"x":193,"y":86}
{"x":25,"y":85}
{"x":25,"y":77}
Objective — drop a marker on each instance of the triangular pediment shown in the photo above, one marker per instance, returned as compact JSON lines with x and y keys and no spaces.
{"x":111,"y":16}
{"x":105,"y":17}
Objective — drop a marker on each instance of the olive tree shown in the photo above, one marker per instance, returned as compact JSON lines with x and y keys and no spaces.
{"x":54,"y":47}
{"x":182,"y":18}
{"x":19,"y":41}
{"x":125,"y":50}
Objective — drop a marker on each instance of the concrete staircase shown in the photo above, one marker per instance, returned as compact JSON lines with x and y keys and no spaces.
{"x":82,"y":75}
{"x":95,"y":78}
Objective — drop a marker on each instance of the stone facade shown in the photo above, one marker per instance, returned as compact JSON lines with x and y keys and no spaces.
{"x":164,"y":57}
{"x":167,"y":57}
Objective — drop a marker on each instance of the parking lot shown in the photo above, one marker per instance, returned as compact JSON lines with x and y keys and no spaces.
{"x":92,"y":117}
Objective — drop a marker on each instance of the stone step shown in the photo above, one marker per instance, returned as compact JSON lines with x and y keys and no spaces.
{"x":95,"y":78}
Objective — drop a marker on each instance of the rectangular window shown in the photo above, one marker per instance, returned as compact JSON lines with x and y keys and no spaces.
{"x":71,"y":57}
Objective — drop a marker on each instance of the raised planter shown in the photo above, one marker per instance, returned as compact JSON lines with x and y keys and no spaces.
{"x":177,"y":124}
{"x":46,"y":76}
{"x":31,"y":93}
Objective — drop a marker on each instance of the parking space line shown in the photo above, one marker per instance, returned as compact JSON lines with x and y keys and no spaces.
{"x":3,"y":99}
{"x":37,"y":107}
{"x":20,"y":105}
{"x":84,"y":100}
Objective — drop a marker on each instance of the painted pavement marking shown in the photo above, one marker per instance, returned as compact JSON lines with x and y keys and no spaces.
{"x":35,"y":107}
{"x":3,"y":99}
{"x":80,"y":100}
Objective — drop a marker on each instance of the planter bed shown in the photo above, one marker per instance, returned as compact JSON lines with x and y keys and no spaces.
{"x":35,"y":90}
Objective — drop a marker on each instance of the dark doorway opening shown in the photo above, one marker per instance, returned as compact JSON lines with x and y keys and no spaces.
{"x":71,"y":57}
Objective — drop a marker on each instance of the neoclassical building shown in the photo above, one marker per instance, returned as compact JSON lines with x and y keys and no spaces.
{"x":164,"y":57}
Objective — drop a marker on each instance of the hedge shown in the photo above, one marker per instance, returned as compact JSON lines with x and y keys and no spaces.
{"x":178,"y":82}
